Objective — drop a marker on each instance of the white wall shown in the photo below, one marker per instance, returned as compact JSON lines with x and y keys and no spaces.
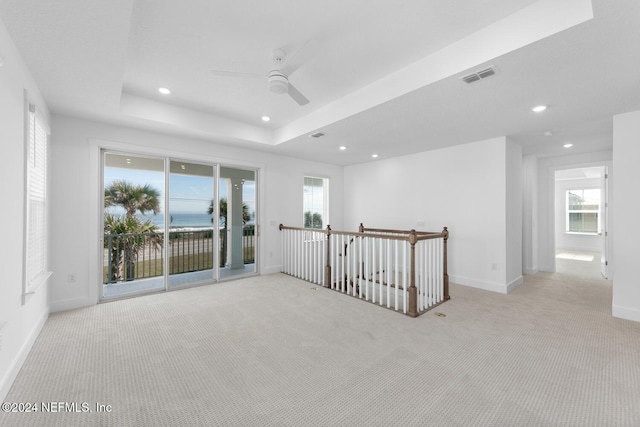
{"x":19,"y":324}
{"x":546,"y":201}
{"x":462,"y":187}
{"x":626,"y":154}
{"x":530,"y":215}
{"x":76,"y":201}
{"x":514,"y":209}
{"x":579,"y":242}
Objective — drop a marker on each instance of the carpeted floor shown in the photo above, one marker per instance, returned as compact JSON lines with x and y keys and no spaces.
{"x":273,"y":350}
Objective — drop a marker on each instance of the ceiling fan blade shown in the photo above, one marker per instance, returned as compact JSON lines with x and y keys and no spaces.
{"x":296,"y":59}
{"x":224,"y":73}
{"x":297,"y":96}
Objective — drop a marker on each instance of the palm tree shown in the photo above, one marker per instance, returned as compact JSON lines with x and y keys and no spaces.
{"x":223,"y":212}
{"x":125,"y":236}
{"x":132,"y":197}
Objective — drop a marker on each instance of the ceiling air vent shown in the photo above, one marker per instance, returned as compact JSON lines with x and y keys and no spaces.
{"x":482,"y":74}
{"x":317,"y":135}
{"x":471,"y":78}
{"x":488,"y":72}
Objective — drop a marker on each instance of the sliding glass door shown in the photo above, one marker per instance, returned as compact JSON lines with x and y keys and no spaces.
{"x":238,"y":228}
{"x":134,"y":194}
{"x":166,"y":226}
{"x":191,"y":244}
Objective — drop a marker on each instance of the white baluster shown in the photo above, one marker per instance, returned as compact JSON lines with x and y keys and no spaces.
{"x":381,"y":275}
{"x":389,"y":257}
{"x":373,"y":269}
{"x":428,"y":302}
{"x":440,"y":269}
{"x":405,"y":273}
{"x":366,"y":267}
{"x":397,"y":278}
{"x":340,"y":278}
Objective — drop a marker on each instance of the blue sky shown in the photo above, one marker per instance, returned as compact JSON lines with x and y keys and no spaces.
{"x":189,"y":194}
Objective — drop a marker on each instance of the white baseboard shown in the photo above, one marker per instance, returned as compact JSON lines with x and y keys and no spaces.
{"x":532,"y":271}
{"x":625,"y":313}
{"x":500,"y":288}
{"x":480,"y":284}
{"x":515,"y":283}
{"x":547,"y":268}
{"x":16,"y":365}
{"x":272,"y":269}
{"x":70,"y":304}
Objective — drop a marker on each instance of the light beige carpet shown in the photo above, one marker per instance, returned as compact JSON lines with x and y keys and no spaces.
{"x":274,"y":350}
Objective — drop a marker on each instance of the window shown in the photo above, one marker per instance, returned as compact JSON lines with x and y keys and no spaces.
{"x":35,"y":257}
{"x":583,"y":211}
{"x":315,"y":202}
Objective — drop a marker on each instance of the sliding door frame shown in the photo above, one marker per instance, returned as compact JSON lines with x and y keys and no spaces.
{"x":96,"y":219}
{"x":257,"y":172}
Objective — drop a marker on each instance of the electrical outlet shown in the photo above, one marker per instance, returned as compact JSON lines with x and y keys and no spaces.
{"x":71,"y":278}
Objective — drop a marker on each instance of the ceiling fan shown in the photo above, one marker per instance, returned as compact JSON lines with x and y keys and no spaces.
{"x":277,"y":79}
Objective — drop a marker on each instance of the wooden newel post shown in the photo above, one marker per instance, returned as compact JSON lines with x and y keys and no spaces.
{"x":361,"y":228}
{"x":445,"y":232}
{"x":413,"y":291}
{"x":327,"y":268}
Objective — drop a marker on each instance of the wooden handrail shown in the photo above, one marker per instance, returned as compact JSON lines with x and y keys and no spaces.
{"x":386,"y":230}
{"x":402,"y":235}
{"x":411,"y":236}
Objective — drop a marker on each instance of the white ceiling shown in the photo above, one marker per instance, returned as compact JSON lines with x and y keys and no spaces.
{"x":381,"y":76}
{"x":580,"y":173}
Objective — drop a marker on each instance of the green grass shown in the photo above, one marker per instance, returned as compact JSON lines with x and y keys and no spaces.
{"x":178,"y":264}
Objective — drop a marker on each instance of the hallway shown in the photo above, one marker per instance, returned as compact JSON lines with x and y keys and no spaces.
{"x":579,"y":263}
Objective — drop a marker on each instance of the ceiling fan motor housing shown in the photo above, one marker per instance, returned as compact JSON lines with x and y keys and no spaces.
{"x":278,"y":82}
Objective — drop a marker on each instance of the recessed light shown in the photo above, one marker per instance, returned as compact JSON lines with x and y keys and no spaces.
{"x":266,"y":118}
{"x":374,"y":155}
{"x":342,"y":147}
{"x":183,"y":167}
{"x":128,"y":161}
{"x":539,"y":108}
{"x":164,"y":91}
{"x":568,"y":145}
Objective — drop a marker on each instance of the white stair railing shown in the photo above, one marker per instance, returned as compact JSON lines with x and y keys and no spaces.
{"x":304,"y":252}
{"x":401,"y":270}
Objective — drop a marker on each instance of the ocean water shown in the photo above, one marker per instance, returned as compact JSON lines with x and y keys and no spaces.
{"x":181,"y":220}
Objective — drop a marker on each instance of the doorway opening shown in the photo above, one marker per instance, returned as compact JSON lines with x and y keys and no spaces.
{"x":581,"y":235}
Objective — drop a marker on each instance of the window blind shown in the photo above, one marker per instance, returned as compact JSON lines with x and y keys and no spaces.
{"x":36,"y":234}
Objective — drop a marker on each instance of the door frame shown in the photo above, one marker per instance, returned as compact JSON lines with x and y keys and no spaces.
{"x":258,"y":198}
{"x":547,"y":254}
{"x":96,"y":215}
